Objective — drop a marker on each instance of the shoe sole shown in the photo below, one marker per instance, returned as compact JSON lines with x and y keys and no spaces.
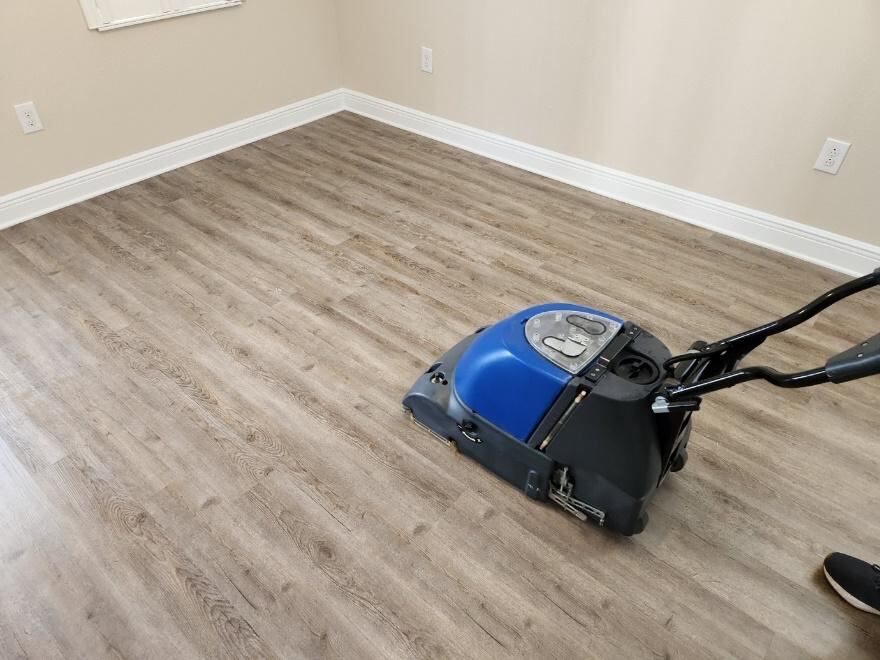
{"x":849,"y":598}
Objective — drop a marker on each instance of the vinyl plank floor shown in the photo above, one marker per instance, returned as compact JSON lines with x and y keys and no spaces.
{"x":202,"y":452}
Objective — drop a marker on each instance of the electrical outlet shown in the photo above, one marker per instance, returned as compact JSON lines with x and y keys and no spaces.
{"x":832,"y":155}
{"x":427,"y":60}
{"x":28,"y":117}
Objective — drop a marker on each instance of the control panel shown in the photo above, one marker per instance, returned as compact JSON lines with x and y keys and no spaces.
{"x":570,"y":339}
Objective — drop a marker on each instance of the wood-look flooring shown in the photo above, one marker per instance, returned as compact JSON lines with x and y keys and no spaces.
{"x":203,"y":451}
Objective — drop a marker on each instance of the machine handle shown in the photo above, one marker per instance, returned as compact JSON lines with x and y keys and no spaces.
{"x":728,"y":352}
{"x":859,"y":361}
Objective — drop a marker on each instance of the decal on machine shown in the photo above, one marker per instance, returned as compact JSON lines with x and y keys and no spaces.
{"x":569,"y":339}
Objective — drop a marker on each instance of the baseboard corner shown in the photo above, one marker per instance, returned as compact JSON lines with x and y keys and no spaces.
{"x":824,"y":248}
{"x":44,"y":198}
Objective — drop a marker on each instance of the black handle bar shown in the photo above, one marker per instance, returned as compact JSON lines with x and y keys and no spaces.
{"x":744,"y":342}
{"x":718,"y":361}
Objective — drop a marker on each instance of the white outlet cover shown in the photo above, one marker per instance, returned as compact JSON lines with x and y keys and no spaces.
{"x":831,"y":156}
{"x":427,"y":60}
{"x":28,"y":117}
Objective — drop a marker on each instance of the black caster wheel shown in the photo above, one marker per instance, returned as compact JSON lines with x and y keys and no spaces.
{"x":680,"y":461}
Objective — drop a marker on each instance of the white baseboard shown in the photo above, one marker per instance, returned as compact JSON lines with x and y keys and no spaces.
{"x":821,"y":247}
{"x":811,"y":244}
{"x":44,"y":198}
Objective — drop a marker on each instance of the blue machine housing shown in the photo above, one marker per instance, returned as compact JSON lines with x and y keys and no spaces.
{"x":560,"y":423}
{"x":501,"y":378}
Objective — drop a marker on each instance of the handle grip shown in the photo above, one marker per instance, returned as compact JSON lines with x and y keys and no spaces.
{"x":859,"y":361}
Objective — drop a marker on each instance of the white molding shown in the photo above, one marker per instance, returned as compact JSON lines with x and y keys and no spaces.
{"x":102,"y":20}
{"x":811,"y":244}
{"x":44,"y":198}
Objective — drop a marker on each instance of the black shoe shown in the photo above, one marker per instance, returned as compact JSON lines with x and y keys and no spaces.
{"x":857,"y":581}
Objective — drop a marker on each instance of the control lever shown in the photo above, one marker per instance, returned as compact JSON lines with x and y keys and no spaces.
{"x":662,"y":405}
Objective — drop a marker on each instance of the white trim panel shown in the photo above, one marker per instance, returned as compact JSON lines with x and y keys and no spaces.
{"x":104,"y":27}
{"x":44,"y":198}
{"x":106,"y":15}
{"x":811,"y":244}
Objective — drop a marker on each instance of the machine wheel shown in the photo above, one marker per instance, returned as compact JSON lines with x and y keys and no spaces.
{"x":680,"y":461}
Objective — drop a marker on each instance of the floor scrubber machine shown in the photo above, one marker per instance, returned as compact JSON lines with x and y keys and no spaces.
{"x":577,"y":406}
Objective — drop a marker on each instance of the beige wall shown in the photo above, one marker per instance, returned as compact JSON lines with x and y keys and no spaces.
{"x":729,"y":99}
{"x":103,"y":96}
